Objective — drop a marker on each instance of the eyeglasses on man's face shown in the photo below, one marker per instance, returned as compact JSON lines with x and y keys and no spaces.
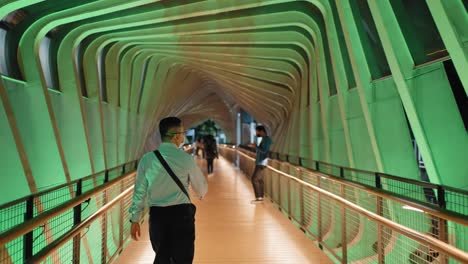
{"x":177,"y":132}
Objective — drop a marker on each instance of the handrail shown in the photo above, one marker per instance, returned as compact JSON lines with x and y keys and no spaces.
{"x":397,"y":178}
{"x":42,"y":218}
{"x":385,"y":175}
{"x":187,"y":148}
{"x":45,"y":252}
{"x":22,"y":199}
{"x":393,"y":177}
{"x":427,"y":240}
{"x":376,"y":176}
{"x":448,"y":215}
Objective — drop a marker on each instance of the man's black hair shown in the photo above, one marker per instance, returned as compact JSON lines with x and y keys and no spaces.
{"x":261,"y":128}
{"x":167,"y":123}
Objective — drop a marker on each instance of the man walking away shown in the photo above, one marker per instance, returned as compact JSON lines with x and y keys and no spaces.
{"x":263,"y":151}
{"x":162,"y":182}
{"x":211,"y":152}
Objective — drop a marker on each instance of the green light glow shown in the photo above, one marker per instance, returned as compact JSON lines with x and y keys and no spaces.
{"x":335,"y":81}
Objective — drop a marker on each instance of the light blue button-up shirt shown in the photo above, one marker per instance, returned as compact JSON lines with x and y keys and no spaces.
{"x":155,"y":187}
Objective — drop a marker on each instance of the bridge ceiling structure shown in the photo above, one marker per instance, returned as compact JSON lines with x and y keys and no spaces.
{"x":86,"y":82}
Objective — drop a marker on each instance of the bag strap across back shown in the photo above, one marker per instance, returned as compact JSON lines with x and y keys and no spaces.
{"x":171,"y":172}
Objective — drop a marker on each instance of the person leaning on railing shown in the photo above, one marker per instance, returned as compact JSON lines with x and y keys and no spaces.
{"x":261,"y":160}
{"x":163,"y":178}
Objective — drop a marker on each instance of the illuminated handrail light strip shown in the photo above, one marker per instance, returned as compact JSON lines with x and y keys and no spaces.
{"x":407,"y":207}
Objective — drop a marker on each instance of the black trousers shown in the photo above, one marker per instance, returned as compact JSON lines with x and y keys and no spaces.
{"x":257,"y":181}
{"x":172,"y":233}
{"x":209,"y":164}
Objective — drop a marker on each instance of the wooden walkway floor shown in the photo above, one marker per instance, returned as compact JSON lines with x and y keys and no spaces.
{"x":231,"y":230}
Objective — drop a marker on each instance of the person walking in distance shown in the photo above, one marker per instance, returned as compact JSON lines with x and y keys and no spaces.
{"x":261,"y":161}
{"x":198,"y":146}
{"x":162,"y":181}
{"x":211,"y":152}
{"x":195,"y":148}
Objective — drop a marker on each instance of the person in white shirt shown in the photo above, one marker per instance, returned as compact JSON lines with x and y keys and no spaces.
{"x":172,"y":215}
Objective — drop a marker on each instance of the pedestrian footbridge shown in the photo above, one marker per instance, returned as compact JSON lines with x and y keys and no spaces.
{"x":365,"y":102}
{"x":309,"y":216}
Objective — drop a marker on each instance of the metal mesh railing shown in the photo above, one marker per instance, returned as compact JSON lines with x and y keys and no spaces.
{"x":445,"y":197}
{"x":346,"y":231}
{"x":100,"y":242}
{"x":59,"y":216}
{"x":98,"y":237}
{"x":13,"y":213}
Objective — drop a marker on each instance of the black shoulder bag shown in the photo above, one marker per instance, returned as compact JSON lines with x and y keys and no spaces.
{"x":176,"y":180}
